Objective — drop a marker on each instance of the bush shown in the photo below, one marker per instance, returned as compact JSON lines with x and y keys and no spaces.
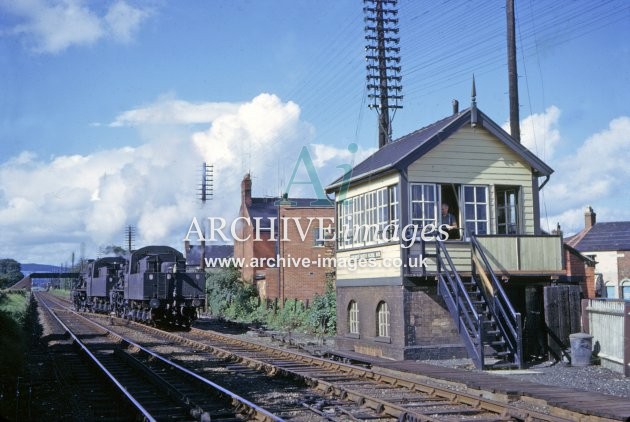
{"x":13,"y":335}
{"x":322,"y":317}
{"x":231,"y":298}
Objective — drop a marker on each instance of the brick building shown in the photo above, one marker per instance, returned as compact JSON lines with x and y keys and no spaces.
{"x":580,"y":269}
{"x":608,"y":243}
{"x":284,"y":250}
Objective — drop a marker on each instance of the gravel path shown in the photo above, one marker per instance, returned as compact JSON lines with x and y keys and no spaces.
{"x":589,"y":378}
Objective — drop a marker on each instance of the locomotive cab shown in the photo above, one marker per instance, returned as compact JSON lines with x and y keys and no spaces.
{"x":157,"y":288}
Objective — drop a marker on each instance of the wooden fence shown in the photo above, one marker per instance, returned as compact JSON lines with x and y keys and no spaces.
{"x":608,"y":321}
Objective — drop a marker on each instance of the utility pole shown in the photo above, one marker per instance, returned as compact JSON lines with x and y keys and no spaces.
{"x":383,"y":63}
{"x":130,"y":234}
{"x":206,"y":187}
{"x":515,"y":129}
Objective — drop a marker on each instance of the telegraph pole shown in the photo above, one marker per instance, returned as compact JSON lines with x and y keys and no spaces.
{"x":515,"y":129}
{"x":384,"y":134}
{"x":130,"y":234}
{"x":383,"y":63}
{"x":206,"y":187}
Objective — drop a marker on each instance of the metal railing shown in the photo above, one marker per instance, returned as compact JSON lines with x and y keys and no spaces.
{"x":461,"y":308}
{"x":507,"y":319}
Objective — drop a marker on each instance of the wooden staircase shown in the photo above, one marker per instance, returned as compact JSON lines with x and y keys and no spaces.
{"x":487,"y":323}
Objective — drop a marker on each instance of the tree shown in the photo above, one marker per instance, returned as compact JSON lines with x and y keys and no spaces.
{"x":10,"y":272}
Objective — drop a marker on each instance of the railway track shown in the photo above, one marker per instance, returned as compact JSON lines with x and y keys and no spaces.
{"x":349,"y":392}
{"x":156,"y":388}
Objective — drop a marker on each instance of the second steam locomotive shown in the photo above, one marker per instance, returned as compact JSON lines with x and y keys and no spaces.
{"x":150,"y":284}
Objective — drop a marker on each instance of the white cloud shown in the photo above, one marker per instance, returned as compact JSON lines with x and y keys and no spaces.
{"x":168,"y":110}
{"x":124,"y":21}
{"x":595,"y":174}
{"x":50,"y":26}
{"x":539,"y":132}
{"x":325,"y":154}
{"x":48,"y":207}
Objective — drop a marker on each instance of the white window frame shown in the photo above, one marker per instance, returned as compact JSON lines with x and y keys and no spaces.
{"x":423,"y":202}
{"x":363,"y":218}
{"x":353,"y":317}
{"x":371,"y":218}
{"x":383,"y":319}
{"x":474,"y":220}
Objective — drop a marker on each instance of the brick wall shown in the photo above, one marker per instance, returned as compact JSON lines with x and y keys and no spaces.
{"x":623,"y":264}
{"x":297,"y":280}
{"x":420,"y":326}
{"x":251,"y":248}
{"x":430,"y":322}
{"x":578,"y":270}
{"x":367,"y":299}
{"x":590,"y":282}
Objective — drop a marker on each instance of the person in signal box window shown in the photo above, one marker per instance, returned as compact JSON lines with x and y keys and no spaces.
{"x":449,"y":220}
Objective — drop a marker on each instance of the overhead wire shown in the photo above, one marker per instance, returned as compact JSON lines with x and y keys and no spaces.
{"x":440,"y":48}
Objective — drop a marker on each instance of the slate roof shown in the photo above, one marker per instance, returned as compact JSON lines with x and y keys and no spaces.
{"x":265,"y":208}
{"x":400,"y":153}
{"x":606,"y":236}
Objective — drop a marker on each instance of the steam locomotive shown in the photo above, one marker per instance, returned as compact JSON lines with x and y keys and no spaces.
{"x":150,"y":284}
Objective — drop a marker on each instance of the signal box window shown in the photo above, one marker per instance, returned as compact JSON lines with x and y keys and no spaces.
{"x":507,"y":210}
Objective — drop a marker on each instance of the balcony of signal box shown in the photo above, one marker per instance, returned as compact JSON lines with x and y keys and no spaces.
{"x":507,"y":254}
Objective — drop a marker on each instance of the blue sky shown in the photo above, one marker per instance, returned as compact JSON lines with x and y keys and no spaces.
{"x":108,"y":108}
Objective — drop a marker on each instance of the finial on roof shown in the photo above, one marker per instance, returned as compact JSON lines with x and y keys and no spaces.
{"x":473,"y":104}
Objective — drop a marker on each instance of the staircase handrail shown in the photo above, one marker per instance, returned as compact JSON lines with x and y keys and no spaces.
{"x":501,"y":301}
{"x":455,"y":303}
{"x":458,"y":281}
{"x":493,"y":277}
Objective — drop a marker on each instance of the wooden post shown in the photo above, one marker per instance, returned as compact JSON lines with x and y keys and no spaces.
{"x":562,"y":314}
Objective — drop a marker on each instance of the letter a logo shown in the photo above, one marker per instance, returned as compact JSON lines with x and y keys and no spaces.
{"x":305,"y":157}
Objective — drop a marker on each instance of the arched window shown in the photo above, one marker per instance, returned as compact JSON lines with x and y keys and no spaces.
{"x":353,"y":317}
{"x":625,"y":288}
{"x":382,"y":314}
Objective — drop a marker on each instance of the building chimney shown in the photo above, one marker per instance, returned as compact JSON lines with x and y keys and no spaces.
{"x":557,"y":231}
{"x":455,"y":106}
{"x":202,"y":255}
{"x":589,"y":217}
{"x":246,"y":190}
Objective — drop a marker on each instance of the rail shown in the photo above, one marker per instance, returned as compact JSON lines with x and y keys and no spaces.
{"x":98,"y":363}
{"x":259,"y":412}
{"x":276,"y":361}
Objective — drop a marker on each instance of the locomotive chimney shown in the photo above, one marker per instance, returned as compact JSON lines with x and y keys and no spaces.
{"x":246,"y":190}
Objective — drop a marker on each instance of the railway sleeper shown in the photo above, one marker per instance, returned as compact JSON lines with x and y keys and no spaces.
{"x":193,"y":408}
